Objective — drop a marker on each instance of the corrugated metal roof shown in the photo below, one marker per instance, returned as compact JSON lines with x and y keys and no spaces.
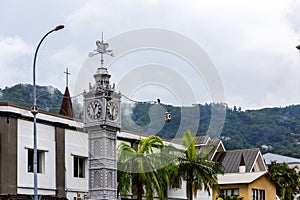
{"x":269,"y":157}
{"x":231,"y":159}
{"x":202,"y":140}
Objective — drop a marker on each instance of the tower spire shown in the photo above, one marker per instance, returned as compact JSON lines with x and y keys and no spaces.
{"x":66,"y":105}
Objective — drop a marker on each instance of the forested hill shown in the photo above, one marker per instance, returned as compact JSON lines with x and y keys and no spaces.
{"x":48,"y":97}
{"x":271,"y":129}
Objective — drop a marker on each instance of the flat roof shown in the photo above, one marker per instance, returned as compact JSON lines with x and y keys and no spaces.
{"x":25,"y":112}
{"x":239,"y":178}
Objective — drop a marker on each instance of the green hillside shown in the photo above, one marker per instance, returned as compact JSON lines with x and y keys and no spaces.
{"x":274,"y":130}
{"x":270,"y":129}
{"x":48,"y":97}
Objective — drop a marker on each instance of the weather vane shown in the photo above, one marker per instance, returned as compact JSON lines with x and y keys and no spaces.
{"x":102,"y":49}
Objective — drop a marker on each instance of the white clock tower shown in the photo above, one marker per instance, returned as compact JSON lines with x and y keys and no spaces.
{"x":102,"y":121}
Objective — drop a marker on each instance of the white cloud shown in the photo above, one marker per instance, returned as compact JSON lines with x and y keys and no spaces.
{"x":11,"y":48}
{"x":252,"y":42}
{"x":58,"y":60}
{"x":14,"y":64}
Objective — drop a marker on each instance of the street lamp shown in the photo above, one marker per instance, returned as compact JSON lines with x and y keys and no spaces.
{"x":298,"y":47}
{"x":34,"y":111}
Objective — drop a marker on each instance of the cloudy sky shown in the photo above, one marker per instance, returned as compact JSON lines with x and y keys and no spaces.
{"x":250,"y":42}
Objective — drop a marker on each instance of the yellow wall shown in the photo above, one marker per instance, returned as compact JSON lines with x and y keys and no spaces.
{"x":245,"y":190}
{"x":263,"y":183}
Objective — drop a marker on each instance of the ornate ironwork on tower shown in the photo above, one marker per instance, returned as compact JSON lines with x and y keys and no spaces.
{"x":102,"y":121}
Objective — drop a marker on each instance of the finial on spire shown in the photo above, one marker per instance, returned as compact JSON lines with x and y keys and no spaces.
{"x":102,"y":49}
{"x":67,"y":77}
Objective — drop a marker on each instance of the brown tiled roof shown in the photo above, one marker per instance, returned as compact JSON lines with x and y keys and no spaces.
{"x":231,"y":159}
{"x":66,"y":105}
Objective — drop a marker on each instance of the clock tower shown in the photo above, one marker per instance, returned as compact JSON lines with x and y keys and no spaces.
{"x":102,"y":122}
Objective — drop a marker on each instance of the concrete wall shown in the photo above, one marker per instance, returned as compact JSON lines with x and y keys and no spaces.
{"x":8,"y":155}
{"x":180,"y":194}
{"x":60,"y":161}
{"x":76,"y":143}
{"x":46,"y":143}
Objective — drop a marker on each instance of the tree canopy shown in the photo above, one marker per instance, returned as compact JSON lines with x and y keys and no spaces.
{"x":286,"y":179}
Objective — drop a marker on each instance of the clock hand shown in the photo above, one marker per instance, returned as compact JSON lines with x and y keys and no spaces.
{"x":93,"y":109}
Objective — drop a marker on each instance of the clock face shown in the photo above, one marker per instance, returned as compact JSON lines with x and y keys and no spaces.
{"x":112,"y":110}
{"x":94,"y":110}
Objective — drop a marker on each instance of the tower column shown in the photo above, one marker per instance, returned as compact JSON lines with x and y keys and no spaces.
{"x":102,"y":121}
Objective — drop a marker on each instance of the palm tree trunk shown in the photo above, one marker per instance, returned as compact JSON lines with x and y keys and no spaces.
{"x":140,"y":190}
{"x":191,"y":190}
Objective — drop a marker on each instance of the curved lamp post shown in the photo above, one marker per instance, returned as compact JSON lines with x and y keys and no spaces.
{"x":34,"y":111}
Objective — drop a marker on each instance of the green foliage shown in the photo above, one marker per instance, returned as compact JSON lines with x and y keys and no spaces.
{"x":48,"y":98}
{"x":143,"y":167}
{"x":196,"y":169}
{"x":151,"y":166}
{"x":274,"y":130}
{"x":286,"y":179}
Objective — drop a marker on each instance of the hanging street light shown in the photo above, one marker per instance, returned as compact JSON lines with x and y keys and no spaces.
{"x":34,"y":111}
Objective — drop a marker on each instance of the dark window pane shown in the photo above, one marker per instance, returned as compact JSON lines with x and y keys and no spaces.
{"x":75,"y":166}
{"x":30,"y":160}
{"x":30,"y":166}
{"x":81,"y":167}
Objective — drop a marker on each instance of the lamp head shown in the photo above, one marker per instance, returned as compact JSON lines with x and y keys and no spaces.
{"x":298,"y":47}
{"x":59,"y":27}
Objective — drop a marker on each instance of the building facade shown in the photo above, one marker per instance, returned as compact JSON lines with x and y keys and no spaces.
{"x":245,"y":175}
{"x":62,"y":146}
{"x":63,"y":152}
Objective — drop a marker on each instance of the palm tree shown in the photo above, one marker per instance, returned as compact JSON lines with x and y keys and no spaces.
{"x":142,"y":167}
{"x":196,"y":169}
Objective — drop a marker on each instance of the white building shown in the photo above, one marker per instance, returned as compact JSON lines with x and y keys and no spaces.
{"x":62,"y":154}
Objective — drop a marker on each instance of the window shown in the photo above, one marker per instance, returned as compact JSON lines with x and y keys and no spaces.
{"x":79,"y":167}
{"x":40,"y":161}
{"x":258,"y":194}
{"x":230,"y":192}
{"x":261,"y":195}
{"x":254,"y":194}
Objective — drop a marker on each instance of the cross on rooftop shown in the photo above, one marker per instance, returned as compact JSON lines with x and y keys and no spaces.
{"x":67,"y":77}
